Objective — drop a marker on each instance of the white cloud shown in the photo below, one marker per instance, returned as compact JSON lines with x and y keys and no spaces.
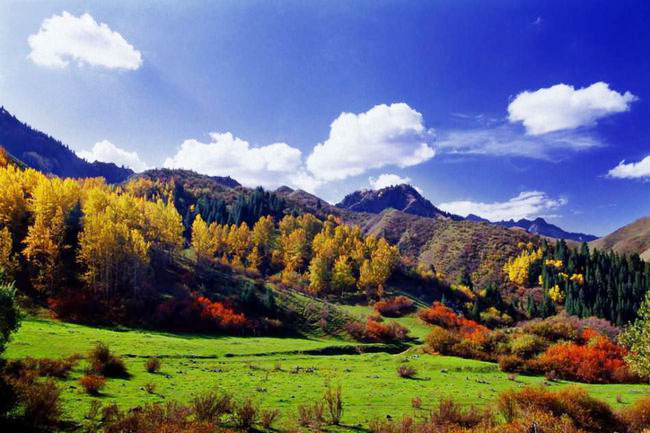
{"x":226,"y":155}
{"x":105,"y":151}
{"x":562,"y":107}
{"x":632,"y":170}
{"x":82,"y":39}
{"x":384,"y":135}
{"x":504,"y":140}
{"x":389,"y":179}
{"x":527,"y":204}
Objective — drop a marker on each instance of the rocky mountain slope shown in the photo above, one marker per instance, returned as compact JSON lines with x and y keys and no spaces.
{"x":403,"y":197}
{"x":48,"y":155}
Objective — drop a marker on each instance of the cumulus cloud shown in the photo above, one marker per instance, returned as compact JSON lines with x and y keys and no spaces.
{"x":65,"y":37}
{"x":387,"y":179}
{"x":384,"y":135}
{"x":527,"y":204}
{"x":105,"y":151}
{"x":562,"y":107}
{"x":226,"y":155}
{"x":632,"y":170}
{"x":504,"y":140}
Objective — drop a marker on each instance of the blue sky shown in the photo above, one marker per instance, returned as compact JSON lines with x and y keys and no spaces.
{"x":502,"y":108}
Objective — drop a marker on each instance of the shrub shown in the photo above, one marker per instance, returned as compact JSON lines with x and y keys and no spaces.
{"x":446,"y":318}
{"x":245,"y":415}
{"x":46,"y":367}
{"x":416,"y":403}
{"x":103,"y":362}
{"x":334,"y":401}
{"x":395,"y":307}
{"x":448,"y":412}
{"x":156,"y":418}
{"x":514,"y":364}
{"x":152,"y":365}
{"x":406,"y":372}
{"x":598,"y":361}
{"x":441,"y":341}
{"x":586,"y":412}
{"x":377,"y":332}
{"x":40,"y":402}
{"x":637,"y":416}
{"x":268,"y":417}
{"x":554,"y":328}
{"x":211,"y":406}
{"x":528,"y":345}
{"x":92,"y":383}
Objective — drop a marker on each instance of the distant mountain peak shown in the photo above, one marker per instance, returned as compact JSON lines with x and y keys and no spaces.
{"x":402,"y":197}
{"x":540,"y":226}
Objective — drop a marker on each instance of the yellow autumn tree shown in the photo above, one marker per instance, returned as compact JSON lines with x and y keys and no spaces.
{"x":517,"y":268}
{"x":112,"y":248}
{"x":342,"y":276}
{"x":8,"y":262}
{"x":202,"y":243}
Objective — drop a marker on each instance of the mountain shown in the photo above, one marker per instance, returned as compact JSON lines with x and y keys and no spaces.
{"x":451,"y":246}
{"x":539,"y":226}
{"x":400,"y":197}
{"x":630,"y":239}
{"x":50,"y":156}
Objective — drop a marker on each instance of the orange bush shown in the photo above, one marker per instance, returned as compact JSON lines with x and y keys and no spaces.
{"x":599,"y":360}
{"x":442,"y":316}
{"x":224,"y":317}
{"x":377,"y":332}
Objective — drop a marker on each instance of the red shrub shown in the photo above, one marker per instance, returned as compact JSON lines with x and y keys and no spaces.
{"x":201,"y":314}
{"x":599,"y":360}
{"x":442,"y":316}
{"x":395,"y":307}
{"x":92,"y":383}
{"x":377,"y":332}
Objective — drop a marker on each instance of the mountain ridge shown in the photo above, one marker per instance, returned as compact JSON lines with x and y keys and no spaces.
{"x":48,"y":155}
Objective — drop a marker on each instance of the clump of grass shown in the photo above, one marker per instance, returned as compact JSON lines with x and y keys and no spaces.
{"x":150,"y":388}
{"x":334,"y":400}
{"x":406,"y":372}
{"x":416,"y":403}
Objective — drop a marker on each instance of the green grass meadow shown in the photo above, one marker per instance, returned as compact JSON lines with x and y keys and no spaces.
{"x":276,"y":372}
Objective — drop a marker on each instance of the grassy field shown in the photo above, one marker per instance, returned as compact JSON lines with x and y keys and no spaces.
{"x":276,"y":372}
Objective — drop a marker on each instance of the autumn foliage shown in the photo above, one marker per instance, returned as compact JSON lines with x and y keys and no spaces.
{"x":394,"y":307}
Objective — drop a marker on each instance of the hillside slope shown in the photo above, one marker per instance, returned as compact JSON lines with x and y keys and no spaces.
{"x":50,"y":156}
{"x":630,"y":239}
{"x":451,"y":246}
